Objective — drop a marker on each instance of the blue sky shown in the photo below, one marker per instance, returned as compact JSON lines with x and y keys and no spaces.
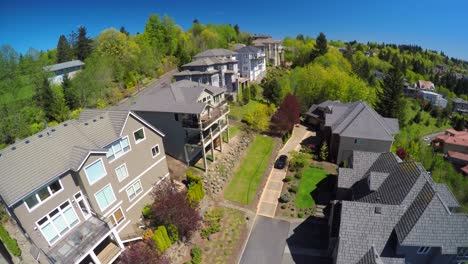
{"x":437,"y":25}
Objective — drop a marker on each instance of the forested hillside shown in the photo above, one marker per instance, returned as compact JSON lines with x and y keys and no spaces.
{"x":116,"y":63}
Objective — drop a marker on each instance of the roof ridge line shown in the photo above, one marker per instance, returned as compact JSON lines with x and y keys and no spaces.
{"x":388,"y":132}
{"x":350,"y":122}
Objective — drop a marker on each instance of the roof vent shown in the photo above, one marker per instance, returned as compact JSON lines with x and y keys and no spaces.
{"x":13,"y":148}
{"x":40,"y":135}
{"x":27,"y":141}
{"x":53,"y":130}
{"x":378,"y":210}
{"x":94,"y":120}
{"x":65,"y":124}
{"x":101,"y":117}
{"x":86,"y":123}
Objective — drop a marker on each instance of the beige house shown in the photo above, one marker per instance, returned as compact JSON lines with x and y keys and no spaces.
{"x":271,"y":47}
{"x":76,"y":190}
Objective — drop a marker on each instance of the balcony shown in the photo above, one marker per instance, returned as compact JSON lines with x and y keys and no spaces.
{"x":207,"y":119}
{"x":216,"y":129}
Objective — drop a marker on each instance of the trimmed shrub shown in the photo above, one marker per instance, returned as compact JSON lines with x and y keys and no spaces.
{"x":195,"y":188}
{"x":146,"y":211}
{"x":197,"y":255}
{"x":287,"y":179}
{"x":293,"y":189}
{"x":173,"y":233}
{"x":300,"y":215}
{"x":9,"y":242}
{"x":298,"y":175}
{"x":161,"y":239}
{"x":285,"y":197}
{"x":212,"y":221}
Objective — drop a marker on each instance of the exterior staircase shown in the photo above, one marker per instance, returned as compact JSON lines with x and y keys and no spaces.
{"x":319,"y":211}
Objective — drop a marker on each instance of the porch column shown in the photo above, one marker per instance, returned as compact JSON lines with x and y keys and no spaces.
{"x":117,"y":238}
{"x":220,"y":137}
{"x":227,"y":129}
{"x":186,"y":155}
{"x":212,"y":144}
{"x":94,"y":257}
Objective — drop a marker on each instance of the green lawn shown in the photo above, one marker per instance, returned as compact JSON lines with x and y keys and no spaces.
{"x":244,"y":184}
{"x":310,"y":178}
{"x":232,"y":132}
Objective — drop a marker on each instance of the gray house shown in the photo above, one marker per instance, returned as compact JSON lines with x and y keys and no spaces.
{"x":69,"y":68}
{"x":192,"y":115}
{"x":76,"y":190}
{"x":393,"y":212}
{"x":352,"y":126}
{"x":216,"y":67}
{"x":460,"y":106}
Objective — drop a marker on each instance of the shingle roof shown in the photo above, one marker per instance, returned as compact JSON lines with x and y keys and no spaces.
{"x":248,"y":50}
{"x":63,"y":65}
{"x":190,"y":73}
{"x":208,"y":61}
{"x":446,"y":195}
{"x":178,"y":97}
{"x":215,"y":53}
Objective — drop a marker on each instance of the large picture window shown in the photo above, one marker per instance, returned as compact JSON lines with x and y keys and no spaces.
{"x":58,"y":222}
{"x":118,"y":148}
{"x":105,"y":197}
{"x":42,"y":194}
{"x":95,"y":171}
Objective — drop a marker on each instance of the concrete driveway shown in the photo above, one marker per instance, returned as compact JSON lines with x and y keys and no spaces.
{"x":266,"y":242}
{"x":272,"y":191}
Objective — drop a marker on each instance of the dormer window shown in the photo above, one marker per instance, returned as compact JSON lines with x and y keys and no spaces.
{"x":118,"y":148}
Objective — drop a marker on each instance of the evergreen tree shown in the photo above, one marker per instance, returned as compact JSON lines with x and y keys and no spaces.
{"x":391,"y":101}
{"x":321,"y":47}
{"x":83,"y":44}
{"x":300,"y":37}
{"x":237,"y":29}
{"x":68,"y":94}
{"x":43,"y":95}
{"x":124,"y":31}
{"x":64,"y":51}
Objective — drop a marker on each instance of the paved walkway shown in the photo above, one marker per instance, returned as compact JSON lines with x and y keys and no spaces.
{"x":272,"y":191}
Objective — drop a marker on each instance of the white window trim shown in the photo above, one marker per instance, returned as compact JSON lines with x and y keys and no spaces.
{"x":159,"y":151}
{"x":132,"y":187}
{"x":85,"y":200}
{"x":144,"y":135}
{"x":95,"y":197}
{"x":49,"y":220}
{"x":87,"y":176}
{"x":115,"y":220}
{"x":423,"y":250}
{"x":123,"y":154}
{"x":143,"y":173}
{"x":126,"y":169}
{"x":42,"y":201}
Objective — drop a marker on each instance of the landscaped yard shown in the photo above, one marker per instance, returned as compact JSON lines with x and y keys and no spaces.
{"x":310,"y":178}
{"x":232,"y":132}
{"x":244,"y":184}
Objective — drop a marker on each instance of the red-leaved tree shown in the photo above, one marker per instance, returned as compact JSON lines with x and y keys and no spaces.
{"x":142,"y":252}
{"x":402,"y":154}
{"x":171,"y":206}
{"x":288,"y":114}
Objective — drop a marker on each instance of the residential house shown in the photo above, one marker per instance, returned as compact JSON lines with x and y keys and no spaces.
{"x":192,"y":115}
{"x":460,"y":106}
{"x":415,"y":89}
{"x":271,"y":47}
{"x":452,"y":140}
{"x":216,"y":67}
{"x":393,"y":212}
{"x":252,"y":62}
{"x":434,"y":99}
{"x":69,"y":68}
{"x":76,"y":190}
{"x":425,"y":85}
{"x":351,"y":126}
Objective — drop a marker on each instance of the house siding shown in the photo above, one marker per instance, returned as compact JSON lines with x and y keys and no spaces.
{"x":347,"y":145}
{"x":434,"y":256}
{"x":28,"y":219}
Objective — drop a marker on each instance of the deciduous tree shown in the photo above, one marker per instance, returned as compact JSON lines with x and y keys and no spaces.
{"x":288,"y":114}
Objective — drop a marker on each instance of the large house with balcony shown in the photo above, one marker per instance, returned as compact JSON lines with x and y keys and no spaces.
{"x":271,"y":47}
{"x":192,"y":115}
{"x":252,"y":62}
{"x":76,"y":190}
{"x":215,"y":67}
{"x":69,"y":69}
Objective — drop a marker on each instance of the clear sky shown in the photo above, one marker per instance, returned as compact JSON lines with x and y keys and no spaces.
{"x":436,"y":25}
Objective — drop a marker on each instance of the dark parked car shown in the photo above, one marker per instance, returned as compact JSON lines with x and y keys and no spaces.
{"x":281,"y":162}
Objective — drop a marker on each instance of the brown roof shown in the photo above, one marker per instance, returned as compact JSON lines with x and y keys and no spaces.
{"x":458,"y":155}
{"x":465,"y":169}
{"x":425,"y":85}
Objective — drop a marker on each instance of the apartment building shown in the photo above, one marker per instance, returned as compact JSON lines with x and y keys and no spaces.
{"x":76,"y":190}
{"x":192,"y":115}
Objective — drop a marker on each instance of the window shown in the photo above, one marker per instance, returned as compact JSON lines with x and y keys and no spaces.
{"x":121,"y":172}
{"x":95,"y":171}
{"x":116,"y":217}
{"x":118,"y":148}
{"x":40,"y":196}
{"x":58,"y":222}
{"x":176,"y":117}
{"x":155,"y":151}
{"x":105,"y":197}
{"x":423,"y":250}
{"x":134,"y":190}
{"x":139,"y":135}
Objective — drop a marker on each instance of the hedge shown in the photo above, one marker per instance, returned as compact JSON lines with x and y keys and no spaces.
{"x":195,"y":189}
{"x":161,"y":239}
{"x":9,"y":242}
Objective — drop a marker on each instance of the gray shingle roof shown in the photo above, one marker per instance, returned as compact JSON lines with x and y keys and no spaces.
{"x":41,"y":158}
{"x":248,"y":50}
{"x":178,"y":97}
{"x":208,"y":61}
{"x":215,"y":53}
{"x":446,"y":195}
{"x":190,"y":73}
{"x":63,"y":65}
